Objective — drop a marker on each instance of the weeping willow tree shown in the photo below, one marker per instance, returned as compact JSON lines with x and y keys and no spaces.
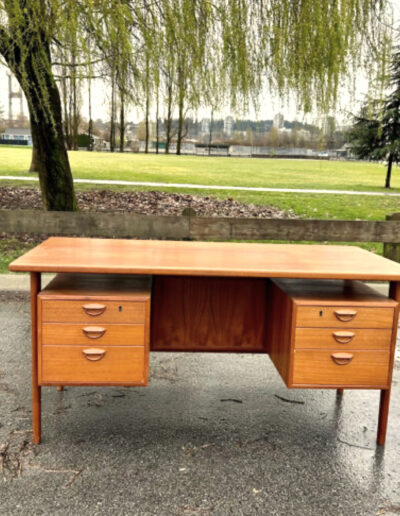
{"x":301,"y":48}
{"x":31,"y":34}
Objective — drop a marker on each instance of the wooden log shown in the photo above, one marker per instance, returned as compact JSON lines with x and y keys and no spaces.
{"x":94,"y":224}
{"x":391,"y":250}
{"x":191,"y":227}
{"x":294,"y":229}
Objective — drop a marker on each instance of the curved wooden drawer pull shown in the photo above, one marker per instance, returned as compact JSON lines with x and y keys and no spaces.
{"x":94,"y":354}
{"x":94,"y":309}
{"x":345,"y":315}
{"x":342,"y":358}
{"x":94,"y":332}
{"x":343,"y":337}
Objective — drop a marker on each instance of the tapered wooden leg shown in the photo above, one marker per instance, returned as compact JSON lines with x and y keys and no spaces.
{"x":36,"y":391}
{"x":60,"y":388}
{"x":394,"y":293}
{"x":340,"y":392}
{"x":383,"y":416}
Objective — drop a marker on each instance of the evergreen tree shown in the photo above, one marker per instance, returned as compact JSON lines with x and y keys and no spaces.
{"x":376,"y":131}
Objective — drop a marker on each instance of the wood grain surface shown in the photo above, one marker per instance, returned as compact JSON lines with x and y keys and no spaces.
{"x":110,"y":286}
{"x":208,"y":314}
{"x":329,"y":338}
{"x":68,"y":364}
{"x":72,"y":310}
{"x":323,"y":316}
{"x":59,"y":254}
{"x":281,"y":320}
{"x":333,"y":292}
{"x":81,"y":334}
{"x":318,"y":367}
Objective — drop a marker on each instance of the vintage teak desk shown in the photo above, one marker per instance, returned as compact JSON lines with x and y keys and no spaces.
{"x":306,"y":306}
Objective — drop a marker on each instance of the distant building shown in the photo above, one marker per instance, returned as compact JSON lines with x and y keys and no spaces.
{"x":16,"y":136}
{"x":205,"y":126}
{"x":278,"y":121}
{"x":228,"y":125}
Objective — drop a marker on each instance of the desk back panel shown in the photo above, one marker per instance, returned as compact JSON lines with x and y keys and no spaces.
{"x":208,"y":314}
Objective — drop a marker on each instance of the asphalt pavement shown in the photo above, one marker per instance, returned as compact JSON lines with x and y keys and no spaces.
{"x":215,"y":434}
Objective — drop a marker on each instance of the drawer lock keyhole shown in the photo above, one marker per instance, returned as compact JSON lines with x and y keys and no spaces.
{"x":321,"y":313}
{"x":120,"y":309}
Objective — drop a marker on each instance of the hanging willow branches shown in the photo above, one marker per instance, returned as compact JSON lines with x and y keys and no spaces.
{"x":202,"y":51}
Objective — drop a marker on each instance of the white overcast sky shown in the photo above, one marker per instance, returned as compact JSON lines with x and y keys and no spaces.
{"x":100,"y":100}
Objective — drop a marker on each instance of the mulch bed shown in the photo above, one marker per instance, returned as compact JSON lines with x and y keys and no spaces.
{"x":143,"y":202}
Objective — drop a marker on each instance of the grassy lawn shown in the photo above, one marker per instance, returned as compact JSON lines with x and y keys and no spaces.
{"x":274,"y":173}
{"x":10,"y":249}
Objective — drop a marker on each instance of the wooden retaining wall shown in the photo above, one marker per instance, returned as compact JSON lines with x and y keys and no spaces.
{"x":190,"y":227}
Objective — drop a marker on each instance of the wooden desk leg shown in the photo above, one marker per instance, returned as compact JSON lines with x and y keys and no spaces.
{"x":60,"y":388}
{"x":36,"y":391}
{"x":340,"y":392}
{"x":394,"y":293}
{"x":383,"y":416}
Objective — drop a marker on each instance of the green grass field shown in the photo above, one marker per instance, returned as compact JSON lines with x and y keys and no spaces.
{"x":212,"y":170}
{"x":238,"y":172}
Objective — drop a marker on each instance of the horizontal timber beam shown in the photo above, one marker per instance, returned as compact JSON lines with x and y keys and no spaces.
{"x":94,"y":224}
{"x":191,"y":227}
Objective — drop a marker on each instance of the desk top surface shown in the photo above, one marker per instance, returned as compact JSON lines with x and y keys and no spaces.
{"x":58,"y":254}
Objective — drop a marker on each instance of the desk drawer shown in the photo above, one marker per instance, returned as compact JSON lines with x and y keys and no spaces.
{"x":338,"y":368}
{"x":93,"y":311}
{"x":93,"y":365}
{"x":349,"y":338}
{"x":93,"y":335}
{"x":344,"y":316}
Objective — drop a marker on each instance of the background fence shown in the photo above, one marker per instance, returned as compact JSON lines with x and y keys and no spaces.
{"x":190,"y":227}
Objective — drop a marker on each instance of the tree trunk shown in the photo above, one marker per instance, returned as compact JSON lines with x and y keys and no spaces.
{"x":65,"y":103}
{"x":112,"y":121}
{"x":389,"y":171}
{"x":36,"y":79}
{"x":157,"y":121}
{"x":147,"y":136}
{"x":180,"y":127}
{"x":169,"y":119}
{"x":210,"y":135}
{"x":180,"y":112}
{"x":34,"y":160}
{"x":122,"y":123}
{"x":75,"y":114}
{"x":51,"y":159}
{"x":90,"y":126}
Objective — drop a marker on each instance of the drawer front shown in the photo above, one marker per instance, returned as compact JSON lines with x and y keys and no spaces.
{"x":343,"y":317}
{"x":93,"y":365}
{"x":93,"y":311}
{"x":333,"y":338}
{"x":365,"y":368}
{"x":93,"y":335}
